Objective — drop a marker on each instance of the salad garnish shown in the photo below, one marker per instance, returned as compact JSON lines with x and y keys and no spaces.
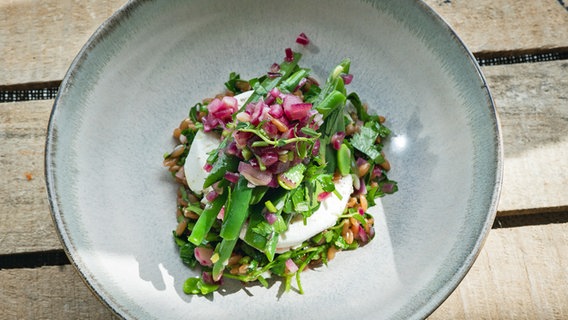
{"x":288,"y":171}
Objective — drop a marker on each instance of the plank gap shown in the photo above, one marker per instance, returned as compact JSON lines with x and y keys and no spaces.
{"x":30,"y":260}
{"x":524,"y":220}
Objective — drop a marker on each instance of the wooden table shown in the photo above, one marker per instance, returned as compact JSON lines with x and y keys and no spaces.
{"x":522,"y":271}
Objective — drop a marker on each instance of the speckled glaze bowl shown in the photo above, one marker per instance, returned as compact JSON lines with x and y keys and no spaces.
{"x":114,"y":204}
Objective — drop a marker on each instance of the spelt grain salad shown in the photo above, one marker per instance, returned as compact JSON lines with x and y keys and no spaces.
{"x":276,"y":175}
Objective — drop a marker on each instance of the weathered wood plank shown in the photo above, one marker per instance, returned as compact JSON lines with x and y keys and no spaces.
{"x":521,"y":273}
{"x":530,"y":98}
{"x":41,"y":38}
{"x":25,"y":221}
{"x":507,"y":26}
{"x":48,"y":293}
{"x":532,"y":101}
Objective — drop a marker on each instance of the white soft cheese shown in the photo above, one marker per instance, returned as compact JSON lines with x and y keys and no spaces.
{"x":202,"y":144}
{"x":323,"y":218}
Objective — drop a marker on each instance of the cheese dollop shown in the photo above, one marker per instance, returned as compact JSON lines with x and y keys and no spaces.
{"x":323,"y":218}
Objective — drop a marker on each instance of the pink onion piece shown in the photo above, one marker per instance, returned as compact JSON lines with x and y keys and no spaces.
{"x":276,"y":111}
{"x":270,"y":217}
{"x":297,"y":111}
{"x":377,"y":172}
{"x":347,"y":78}
{"x":203,"y":256}
{"x":275,"y":67}
{"x":208,"y":278}
{"x":207,"y":167}
{"x":289,"y":55}
{"x":180,"y":174}
{"x":210,"y":196}
{"x":269,"y":158}
{"x":316,"y":148}
{"x":301,"y":84}
{"x":302,"y":39}
{"x":273,"y":75}
{"x":291,"y":266}
{"x":232,"y":177}
{"x":324,"y":195}
{"x":387,"y":188}
{"x":363,"y":235}
{"x":254,"y":175}
{"x":337,"y":139}
{"x":221,"y":214}
{"x":275,"y":92}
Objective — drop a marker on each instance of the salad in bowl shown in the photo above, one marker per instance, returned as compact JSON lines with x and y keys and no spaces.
{"x":276,"y":175}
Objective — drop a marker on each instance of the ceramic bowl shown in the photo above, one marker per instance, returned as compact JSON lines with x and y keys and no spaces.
{"x":113,"y":202}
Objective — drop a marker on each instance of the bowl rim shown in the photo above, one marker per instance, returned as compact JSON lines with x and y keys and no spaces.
{"x":114,"y":21}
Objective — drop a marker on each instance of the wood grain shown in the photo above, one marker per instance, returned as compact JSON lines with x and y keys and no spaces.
{"x":48,"y":293}
{"x":531,"y":100}
{"x":41,"y":38}
{"x":521,"y":273}
{"x":506,"y":26}
{"x":25,"y":221}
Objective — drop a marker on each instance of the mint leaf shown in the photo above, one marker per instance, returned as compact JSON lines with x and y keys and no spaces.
{"x":364,"y":141}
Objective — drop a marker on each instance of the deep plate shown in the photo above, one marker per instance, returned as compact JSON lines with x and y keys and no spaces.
{"x":113,"y":203}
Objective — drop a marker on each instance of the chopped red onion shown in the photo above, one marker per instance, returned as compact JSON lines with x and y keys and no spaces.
{"x":347,"y":78}
{"x":316,"y":148}
{"x":270,"y":217}
{"x":254,"y":175}
{"x":211,"y":195}
{"x":297,"y":111}
{"x":275,"y":92}
{"x":362,"y":234}
{"x":337,"y":139}
{"x":273,"y":75}
{"x":302,"y":39}
{"x":271,"y":129}
{"x":387,"y":188}
{"x":208,"y":278}
{"x":289,"y":55}
{"x":232,"y":177}
{"x":241,"y":138}
{"x":324,"y":195}
{"x":291,"y":266}
{"x":301,"y":83}
{"x":361,"y":211}
{"x":269,"y":158}
{"x":276,"y":111}
{"x":221,"y":214}
{"x":207,"y":167}
{"x":203,"y":256}
{"x":377,"y":172}
{"x":275,"y":67}
{"x":180,"y":174}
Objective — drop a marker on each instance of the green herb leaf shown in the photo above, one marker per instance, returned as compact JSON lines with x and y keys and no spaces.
{"x":364,"y":141}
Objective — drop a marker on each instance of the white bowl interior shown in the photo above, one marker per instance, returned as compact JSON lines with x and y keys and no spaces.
{"x":134,"y":81}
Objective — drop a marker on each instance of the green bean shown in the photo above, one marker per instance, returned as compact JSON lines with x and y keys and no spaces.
{"x":223,"y":164}
{"x":344,"y":159}
{"x":238,"y":210}
{"x":224,"y":251}
{"x":206,"y":219}
{"x":330,"y":103}
{"x":292,"y":82}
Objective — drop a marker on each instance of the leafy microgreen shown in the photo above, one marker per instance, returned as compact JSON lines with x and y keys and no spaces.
{"x":364,"y":142}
